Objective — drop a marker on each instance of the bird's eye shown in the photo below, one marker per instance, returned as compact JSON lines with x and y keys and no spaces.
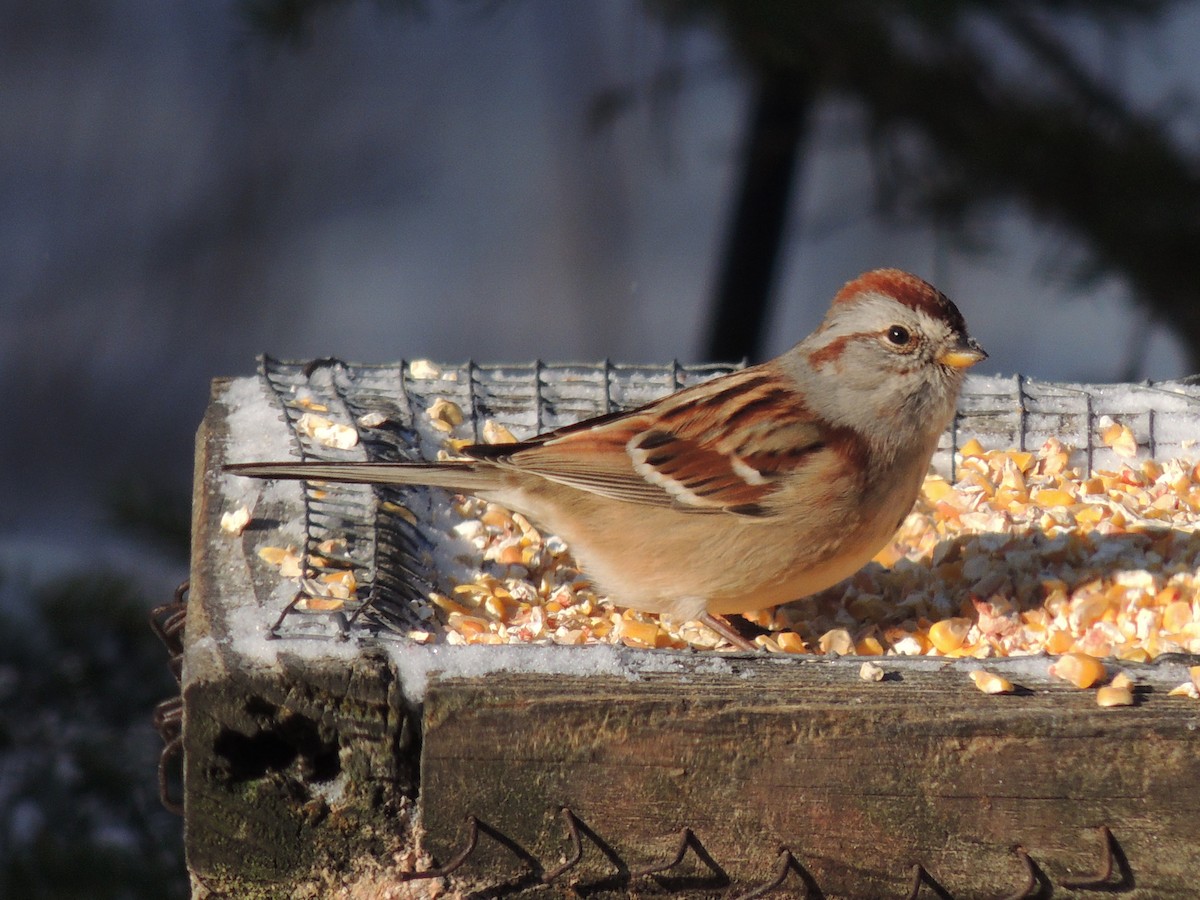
{"x":899,"y":335}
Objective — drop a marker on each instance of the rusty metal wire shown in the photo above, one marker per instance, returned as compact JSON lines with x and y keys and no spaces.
{"x":1035,"y":882}
{"x":168,"y":622}
{"x":686,"y":838}
{"x":456,"y":861}
{"x":1101,"y":880}
{"x":576,"y":848}
{"x":784,"y":867}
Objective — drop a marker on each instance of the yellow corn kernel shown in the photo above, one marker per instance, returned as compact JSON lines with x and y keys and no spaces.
{"x":311,"y":404}
{"x":468,"y":626}
{"x":1121,"y":680}
{"x":1111,"y":695}
{"x":836,"y":640}
{"x":1079,"y":669}
{"x":869,"y":646}
{"x":274,"y":556}
{"x":990,"y":683}
{"x":444,"y":414}
{"x":512,"y":555}
{"x":601,"y":628}
{"x":868,"y":671}
{"x":937,"y":488}
{"x":763,"y":618}
{"x":1133,"y":654}
{"x":635,"y":633}
{"x":1176,"y":615}
{"x":322,"y":603}
{"x":1053,"y":497}
{"x":971,"y":448}
{"x":496,"y":607}
{"x":495,"y":433}
{"x":949,"y":634}
{"x":1119,"y":438}
{"x":444,"y":603}
{"x":1022,"y":458}
{"x":790,"y":642}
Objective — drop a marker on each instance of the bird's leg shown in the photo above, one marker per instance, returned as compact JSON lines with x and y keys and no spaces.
{"x":725,"y":630}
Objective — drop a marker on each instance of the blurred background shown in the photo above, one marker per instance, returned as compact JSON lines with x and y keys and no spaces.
{"x":186,"y":185}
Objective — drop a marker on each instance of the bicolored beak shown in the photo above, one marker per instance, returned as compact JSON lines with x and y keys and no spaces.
{"x":963,"y":355}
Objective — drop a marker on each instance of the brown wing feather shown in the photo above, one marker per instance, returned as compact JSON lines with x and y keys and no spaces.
{"x":720,"y":446}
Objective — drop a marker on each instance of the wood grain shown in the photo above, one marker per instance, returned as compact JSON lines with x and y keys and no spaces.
{"x":859,"y":780}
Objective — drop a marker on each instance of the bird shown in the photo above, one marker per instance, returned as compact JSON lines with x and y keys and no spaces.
{"x":754,"y":488}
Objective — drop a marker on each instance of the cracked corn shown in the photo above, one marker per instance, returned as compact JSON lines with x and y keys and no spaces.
{"x":1022,"y":554}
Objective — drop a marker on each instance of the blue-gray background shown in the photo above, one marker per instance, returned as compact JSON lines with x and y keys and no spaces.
{"x":179,"y":193}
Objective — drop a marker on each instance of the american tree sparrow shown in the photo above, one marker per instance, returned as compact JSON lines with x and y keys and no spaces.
{"x":749,"y":490}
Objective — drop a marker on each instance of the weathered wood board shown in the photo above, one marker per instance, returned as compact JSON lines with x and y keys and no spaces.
{"x":860,"y":781}
{"x":318,"y":761}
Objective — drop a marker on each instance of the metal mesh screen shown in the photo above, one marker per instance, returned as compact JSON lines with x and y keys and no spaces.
{"x":390,"y":532}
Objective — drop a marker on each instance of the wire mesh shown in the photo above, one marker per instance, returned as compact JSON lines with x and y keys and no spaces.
{"x":391,"y":534}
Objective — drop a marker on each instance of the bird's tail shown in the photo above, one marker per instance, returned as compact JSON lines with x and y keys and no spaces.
{"x":458,"y":475}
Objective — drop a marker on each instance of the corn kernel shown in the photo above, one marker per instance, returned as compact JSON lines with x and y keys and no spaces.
{"x":1118,"y":437}
{"x":321,"y":603}
{"x":468,"y":626}
{"x":449,"y":606}
{"x":949,"y":634}
{"x":1022,"y":458}
{"x":868,"y":671}
{"x":971,"y":448}
{"x":1053,"y":497}
{"x":445,"y":415}
{"x":1079,"y":669}
{"x":495,"y":433}
{"x":1111,"y":695}
{"x":836,"y":640}
{"x":1176,"y":616}
{"x":990,"y":683}
{"x":937,"y":488}
{"x":790,"y":642}
{"x":869,"y":646}
{"x":636,"y":633}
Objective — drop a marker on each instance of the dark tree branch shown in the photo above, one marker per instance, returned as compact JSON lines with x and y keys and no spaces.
{"x":749,"y":264}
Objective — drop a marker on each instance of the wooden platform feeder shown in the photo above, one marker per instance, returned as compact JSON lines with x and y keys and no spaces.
{"x":326,"y":750}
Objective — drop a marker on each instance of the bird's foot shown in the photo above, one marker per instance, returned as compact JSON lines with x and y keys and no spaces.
{"x":727,"y":631}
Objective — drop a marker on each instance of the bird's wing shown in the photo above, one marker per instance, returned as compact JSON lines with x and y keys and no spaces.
{"x":721,"y":446}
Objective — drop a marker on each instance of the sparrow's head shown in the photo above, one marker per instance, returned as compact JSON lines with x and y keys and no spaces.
{"x":893,"y":351}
